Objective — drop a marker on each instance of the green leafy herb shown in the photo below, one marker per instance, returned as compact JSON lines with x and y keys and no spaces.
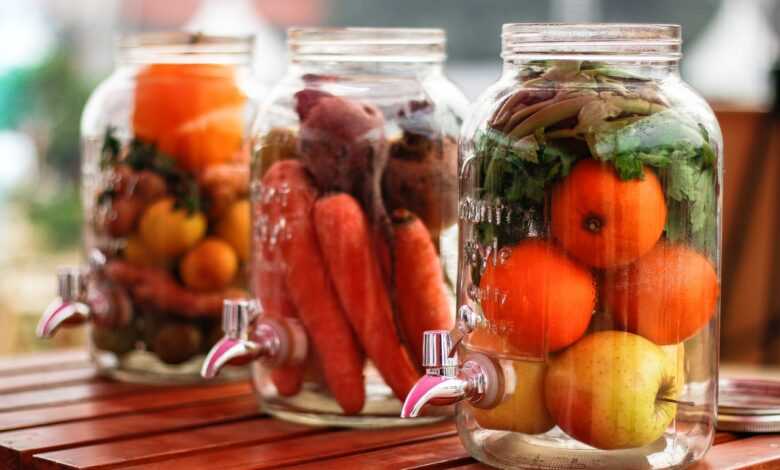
{"x":142,"y":156}
{"x":679,"y":150}
{"x":624,"y":120}
{"x":516,"y":173}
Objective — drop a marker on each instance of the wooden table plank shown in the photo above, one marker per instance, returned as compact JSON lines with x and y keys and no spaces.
{"x":36,"y":362}
{"x":438,"y":452}
{"x":147,"y":399}
{"x":47,"y":379}
{"x":156,"y":448}
{"x":97,"y":389}
{"x":17,"y":447}
{"x":305,"y":449}
{"x":471,"y":466}
{"x":761,"y":452}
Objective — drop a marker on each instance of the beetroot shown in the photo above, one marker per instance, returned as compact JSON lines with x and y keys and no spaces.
{"x":342,"y":144}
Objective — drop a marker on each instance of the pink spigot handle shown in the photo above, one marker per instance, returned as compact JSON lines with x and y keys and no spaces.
{"x":446,"y":382}
{"x":435,"y":390}
{"x":227,"y":350}
{"x":60,"y":312}
{"x":235,"y":346}
{"x":249,"y":336}
{"x":68,"y":308}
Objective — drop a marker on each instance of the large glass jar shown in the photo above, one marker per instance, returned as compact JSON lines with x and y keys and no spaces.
{"x":354,"y":196}
{"x":165,"y":190}
{"x":588,"y":287}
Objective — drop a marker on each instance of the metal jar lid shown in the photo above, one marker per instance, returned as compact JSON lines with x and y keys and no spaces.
{"x":749,"y":405}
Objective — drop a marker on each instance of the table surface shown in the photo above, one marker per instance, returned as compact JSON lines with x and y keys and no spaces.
{"x":56,"y":414}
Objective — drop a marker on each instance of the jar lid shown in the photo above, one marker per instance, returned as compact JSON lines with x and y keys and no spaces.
{"x":749,"y":405}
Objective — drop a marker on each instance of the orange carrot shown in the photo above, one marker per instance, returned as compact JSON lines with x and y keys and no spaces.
{"x":419,"y":282}
{"x":287,"y":197}
{"x":270,"y":288}
{"x":345,"y":239}
{"x":157,"y":287}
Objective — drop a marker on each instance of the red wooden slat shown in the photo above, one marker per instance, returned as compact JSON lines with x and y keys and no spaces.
{"x":147,"y":399}
{"x":149,"y":449}
{"x":436,"y":453}
{"x":723,"y":437}
{"x":69,"y":393}
{"x":50,"y":360}
{"x":305,"y":449}
{"x":46,"y":379}
{"x":17,"y":447}
{"x":754,"y":453}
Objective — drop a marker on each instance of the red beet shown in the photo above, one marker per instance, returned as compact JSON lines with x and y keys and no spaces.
{"x":342,"y":143}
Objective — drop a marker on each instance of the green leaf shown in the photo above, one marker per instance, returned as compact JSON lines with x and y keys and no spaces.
{"x":663,"y":130}
{"x":681,"y":181}
{"x":628,"y":166}
{"x":703,"y":202}
{"x":658,"y":160}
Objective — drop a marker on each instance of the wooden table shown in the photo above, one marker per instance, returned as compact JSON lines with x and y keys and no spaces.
{"x":56,"y":414}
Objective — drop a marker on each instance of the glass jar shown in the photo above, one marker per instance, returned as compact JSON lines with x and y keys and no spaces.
{"x":354,"y":196}
{"x":588,"y":282}
{"x":165,"y":192}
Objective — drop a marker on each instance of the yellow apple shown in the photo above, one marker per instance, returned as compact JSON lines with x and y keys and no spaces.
{"x":523,"y":409}
{"x":605,"y":390}
{"x":675,"y":357}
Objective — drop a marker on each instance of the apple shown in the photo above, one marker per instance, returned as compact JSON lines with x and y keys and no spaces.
{"x":675,"y":357}
{"x":608,"y":390}
{"x":523,"y":409}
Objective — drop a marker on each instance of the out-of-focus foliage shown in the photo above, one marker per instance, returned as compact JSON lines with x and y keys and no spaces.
{"x":57,"y":215}
{"x":46,"y":101}
{"x":13,"y":96}
{"x":57,"y":93}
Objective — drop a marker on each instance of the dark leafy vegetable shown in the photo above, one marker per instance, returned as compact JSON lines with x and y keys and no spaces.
{"x":516,"y":173}
{"x":568,"y":110}
{"x":680,"y":152}
{"x":141,"y":156}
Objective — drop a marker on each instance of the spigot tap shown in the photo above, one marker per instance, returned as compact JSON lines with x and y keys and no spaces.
{"x":69,"y":306}
{"x":446,"y":381}
{"x":249,"y":335}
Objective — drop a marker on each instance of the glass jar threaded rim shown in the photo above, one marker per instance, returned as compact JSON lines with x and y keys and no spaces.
{"x":367,"y":44}
{"x":576,"y":41}
{"x":185,"y":47}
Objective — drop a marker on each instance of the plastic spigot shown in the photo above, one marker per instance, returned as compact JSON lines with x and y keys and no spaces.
{"x":249,"y":335}
{"x":69,"y":307}
{"x":446,"y":381}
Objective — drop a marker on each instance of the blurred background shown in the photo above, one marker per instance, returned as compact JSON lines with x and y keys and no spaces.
{"x":54,"y":52}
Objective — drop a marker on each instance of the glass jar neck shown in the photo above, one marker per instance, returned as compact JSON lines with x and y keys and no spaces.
{"x":184,"y":48}
{"x":650,"y":49}
{"x":366,"y":50}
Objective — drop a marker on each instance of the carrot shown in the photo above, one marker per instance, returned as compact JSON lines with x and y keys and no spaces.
{"x":287,"y":197}
{"x":156,"y":287}
{"x":270,"y":288}
{"x":420,"y":289}
{"x":346,"y":242}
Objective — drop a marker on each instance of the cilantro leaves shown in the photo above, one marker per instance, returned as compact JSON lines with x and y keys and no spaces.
{"x":517,"y":173}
